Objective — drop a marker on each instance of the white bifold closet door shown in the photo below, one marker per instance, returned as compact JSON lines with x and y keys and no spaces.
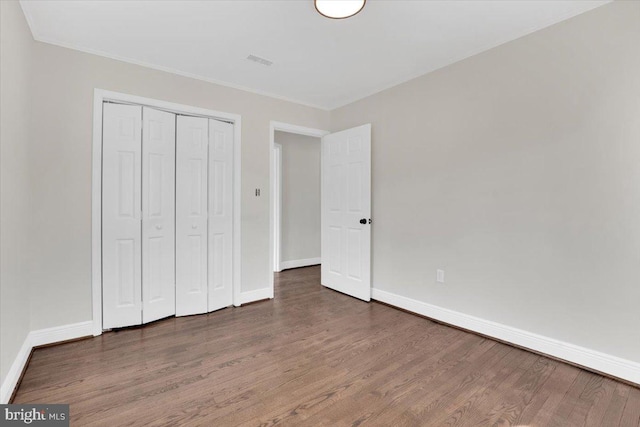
{"x":121,"y":210}
{"x":191,"y":215}
{"x":138,"y":220}
{"x":204,"y":215}
{"x":158,"y":214}
{"x":167,"y":215}
{"x":220,"y":214}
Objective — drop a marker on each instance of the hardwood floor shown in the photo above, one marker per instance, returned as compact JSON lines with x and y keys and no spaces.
{"x":314,"y":357}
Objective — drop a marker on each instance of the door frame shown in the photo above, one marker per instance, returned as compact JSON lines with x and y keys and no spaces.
{"x":277,"y":207}
{"x":275,"y":199}
{"x":100,"y":96}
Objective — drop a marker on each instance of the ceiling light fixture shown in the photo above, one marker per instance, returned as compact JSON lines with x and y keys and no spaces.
{"x":339,"y":9}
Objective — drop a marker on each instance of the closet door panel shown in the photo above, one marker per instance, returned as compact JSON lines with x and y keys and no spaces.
{"x":220,"y":260}
{"x":191,"y":215}
{"x":121,"y":207}
{"x":158,"y":214}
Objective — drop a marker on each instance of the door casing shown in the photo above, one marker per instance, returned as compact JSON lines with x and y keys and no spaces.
{"x":276,"y":189}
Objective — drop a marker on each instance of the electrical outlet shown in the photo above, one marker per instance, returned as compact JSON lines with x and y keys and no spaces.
{"x":440,"y":276}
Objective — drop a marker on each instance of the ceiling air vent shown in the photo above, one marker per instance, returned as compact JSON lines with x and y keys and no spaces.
{"x":259,"y":60}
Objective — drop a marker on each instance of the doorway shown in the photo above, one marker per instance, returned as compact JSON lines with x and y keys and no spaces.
{"x":295,"y":197}
{"x":345,"y":175}
{"x":297,"y":206}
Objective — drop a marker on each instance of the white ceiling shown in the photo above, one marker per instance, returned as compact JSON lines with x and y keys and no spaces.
{"x":316,"y":61}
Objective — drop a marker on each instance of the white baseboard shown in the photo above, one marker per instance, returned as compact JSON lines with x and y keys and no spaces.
{"x":35,"y":339}
{"x":13,"y":376}
{"x":299,"y":263}
{"x":591,"y":359}
{"x":257,"y":295}
{"x":61,"y":333}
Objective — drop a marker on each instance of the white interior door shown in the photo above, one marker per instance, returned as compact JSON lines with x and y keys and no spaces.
{"x":220,"y":263}
{"x":191,"y":215}
{"x":158,"y":214}
{"x":346,"y":212}
{"x":121,"y":210}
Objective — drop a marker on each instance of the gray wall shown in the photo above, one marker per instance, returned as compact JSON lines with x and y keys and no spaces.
{"x":300,"y":234}
{"x":517,"y":171}
{"x":63,"y":82}
{"x":16,"y":45}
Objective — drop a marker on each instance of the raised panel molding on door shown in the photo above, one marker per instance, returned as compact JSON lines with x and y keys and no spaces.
{"x":346,"y":211}
{"x":191,"y":215}
{"x":220,"y":215}
{"x":158,"y":214}
{"x":121,"y":209}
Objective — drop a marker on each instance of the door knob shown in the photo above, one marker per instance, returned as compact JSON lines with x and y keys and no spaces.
{"x":363,"y":221}
{"x":158,"y":227}
{"x":194,"y":226}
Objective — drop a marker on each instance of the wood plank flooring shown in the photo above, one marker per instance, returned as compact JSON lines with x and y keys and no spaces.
{"x":315,"y":357}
